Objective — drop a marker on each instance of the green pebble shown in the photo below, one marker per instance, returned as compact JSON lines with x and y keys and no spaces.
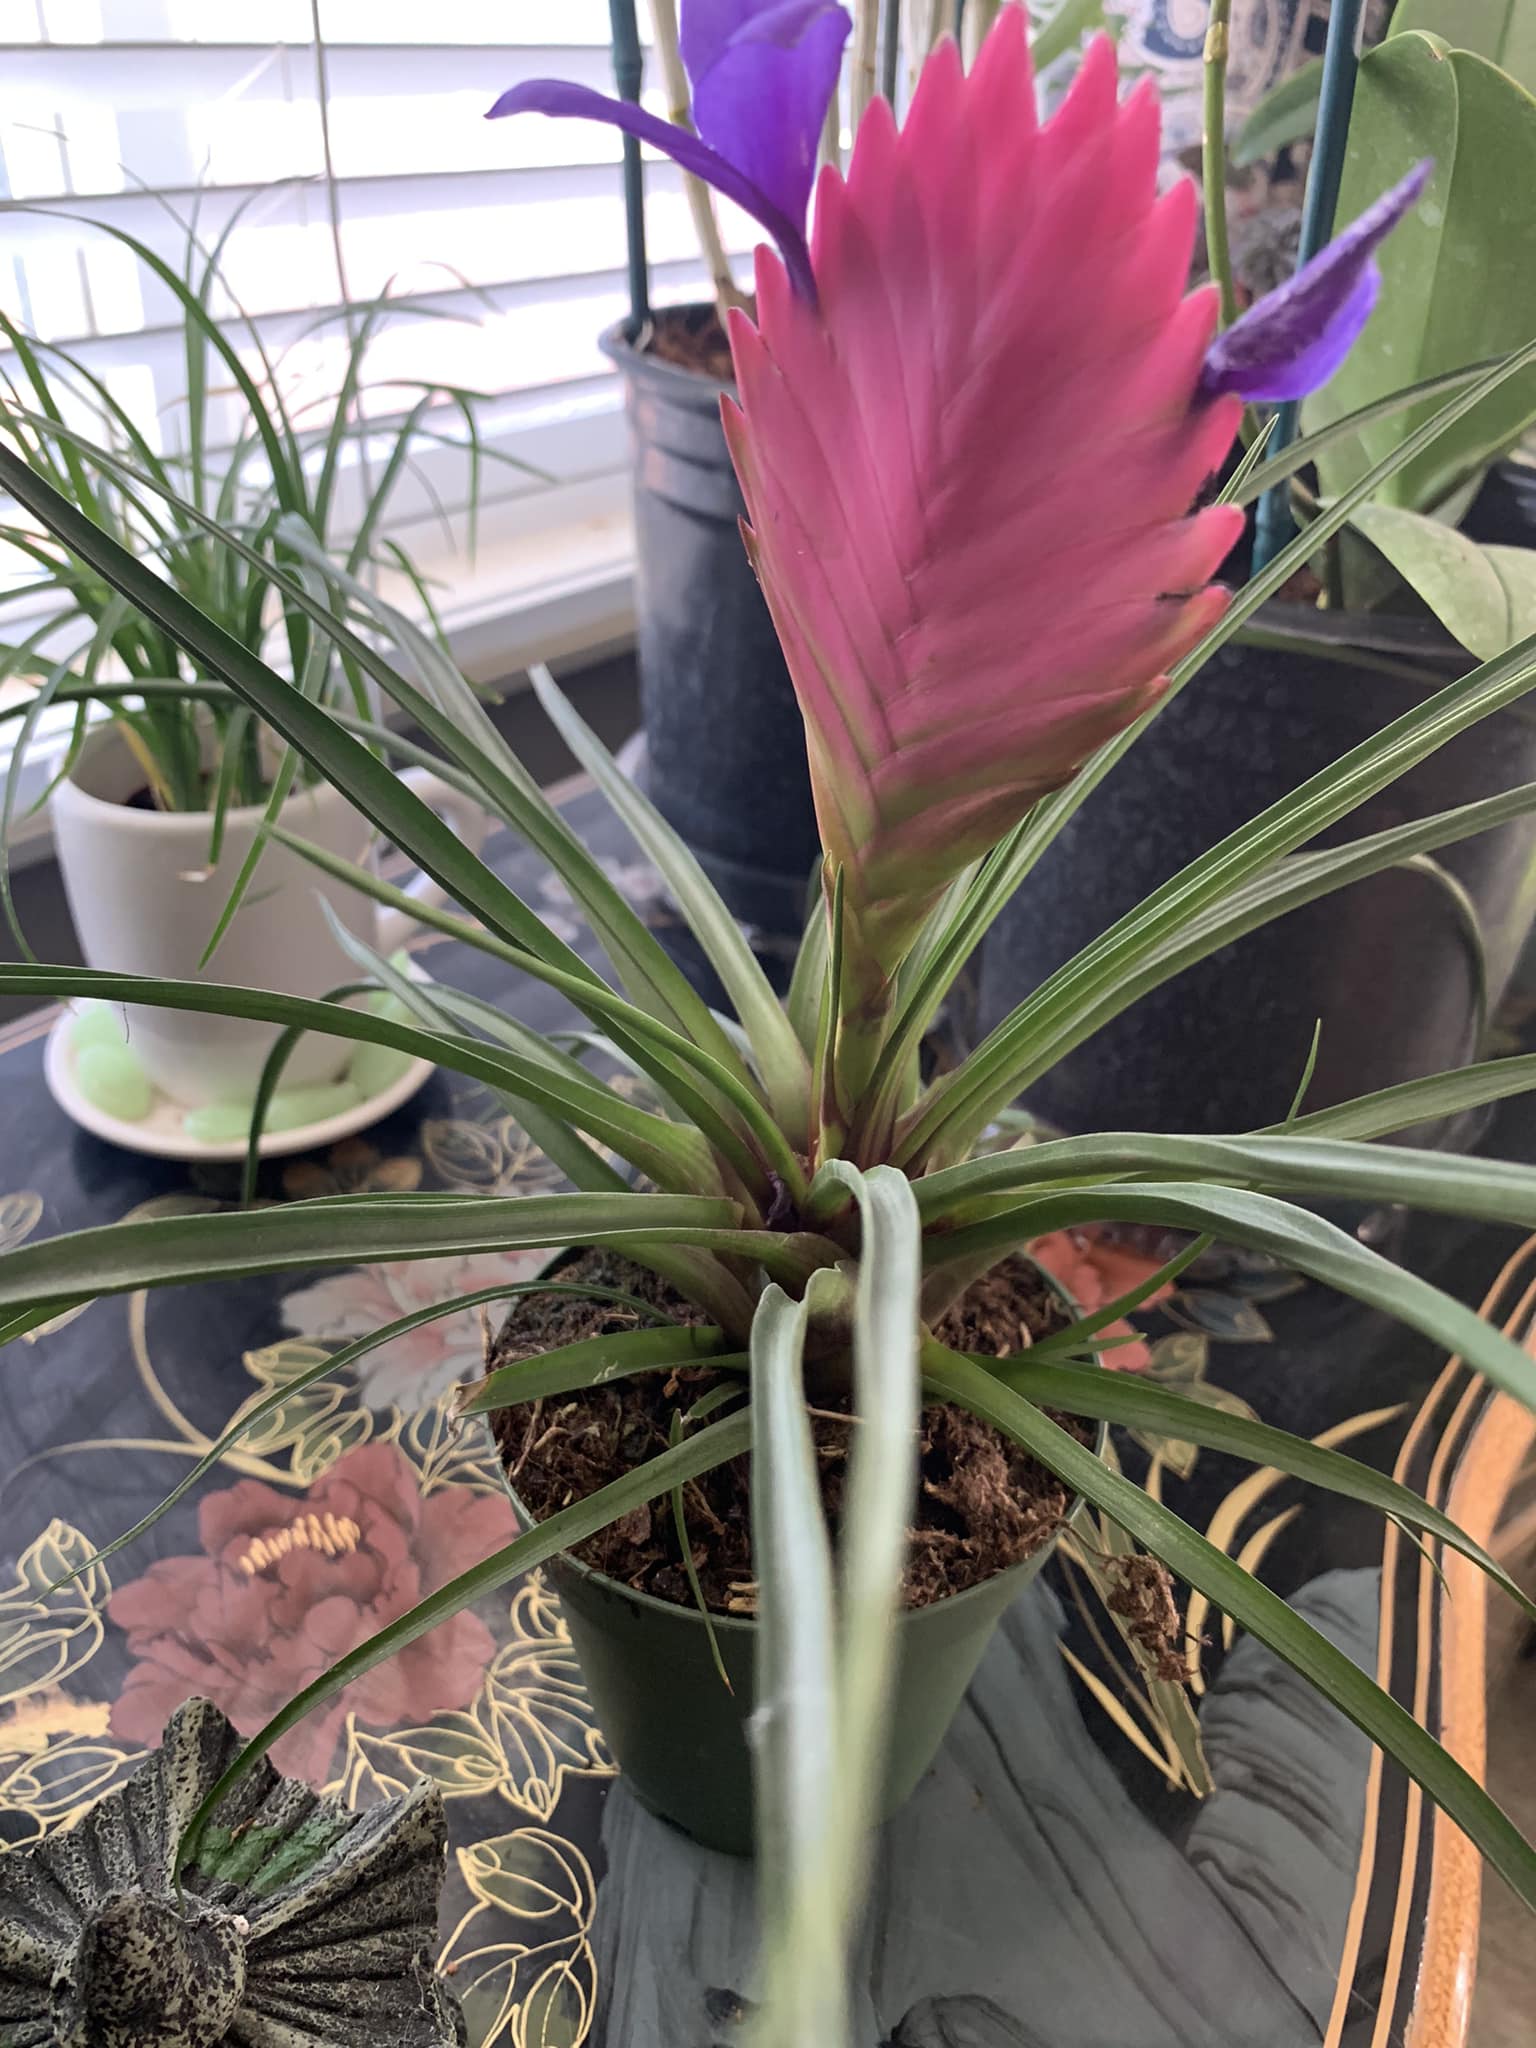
{"x":217,"y":1123}
{"x":110,"y":1078}
{"x":98,"y":1024}
{"x":375,"y":1068}
{"x":291,"y":1107}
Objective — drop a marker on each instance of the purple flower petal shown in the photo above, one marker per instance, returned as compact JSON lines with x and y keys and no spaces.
{"x":1293,"y":339}
{"x":763,"y":97}
{"x":565,"y":101}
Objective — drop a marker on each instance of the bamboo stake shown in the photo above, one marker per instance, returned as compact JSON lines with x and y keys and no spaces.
{"x":866,"y":43}
{"x":700,"y":200}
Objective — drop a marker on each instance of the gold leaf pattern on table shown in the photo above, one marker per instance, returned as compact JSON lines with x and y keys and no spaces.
{"x":529,"y":1728}
{"x":536,"y":1705}
{"x":52,"y":1787}
{"x":453,"y":1751}
{"x":520,"y":1957}
{"x":450,"y":1452}
{"x":494,"y":1158}
{"x":47,"y":1635}
{"x":20,"y":1215}
{"x":316,"y":1424}
{"x":533,"y":1993}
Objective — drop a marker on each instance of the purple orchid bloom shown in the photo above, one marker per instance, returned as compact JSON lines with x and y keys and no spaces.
{"x":1292,"y":340}
{"x":763,"y":73}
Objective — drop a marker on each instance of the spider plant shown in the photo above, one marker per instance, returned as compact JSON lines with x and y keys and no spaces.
{"x":290,"y":462}
{"x":977,"y":634}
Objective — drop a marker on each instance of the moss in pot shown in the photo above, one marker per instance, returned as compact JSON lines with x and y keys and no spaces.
{"x":668,"y":1649}
{"x":970,"y":656}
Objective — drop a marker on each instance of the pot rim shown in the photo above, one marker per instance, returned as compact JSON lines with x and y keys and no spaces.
{"x":616,"y":345}
{"x":746,"y":1624}
{"x":166,"y":823}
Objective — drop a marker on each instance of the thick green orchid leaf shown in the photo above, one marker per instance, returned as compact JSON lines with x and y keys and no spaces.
{"x":1503,"y":31}
{"x":1458,"y":282}
{"x":1485,"y":596}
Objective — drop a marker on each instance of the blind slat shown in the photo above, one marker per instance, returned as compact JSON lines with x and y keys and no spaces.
{"x":501,"y":244}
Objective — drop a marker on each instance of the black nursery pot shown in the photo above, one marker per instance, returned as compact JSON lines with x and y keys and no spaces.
{"x":683,"y":1740}
{"x":1385,"y":963}
{"x":725,"y":749}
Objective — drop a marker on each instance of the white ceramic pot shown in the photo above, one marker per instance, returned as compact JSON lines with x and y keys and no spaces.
{"x":145,"y":901}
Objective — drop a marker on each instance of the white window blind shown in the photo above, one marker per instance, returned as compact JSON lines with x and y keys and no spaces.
{"x":131,"y":112}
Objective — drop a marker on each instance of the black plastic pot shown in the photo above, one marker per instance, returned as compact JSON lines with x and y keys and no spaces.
{"x":1386,"y":964}
{"x":681,"y":1739}
{"x":1504,"y":510}
{"x":725,"y":750}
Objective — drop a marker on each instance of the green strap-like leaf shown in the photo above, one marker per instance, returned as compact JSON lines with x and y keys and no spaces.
{"x":1253,"y":1607}
{"x":397,"y":811}
{"x":882,"y":1487}
{"x":673,"y":1153}
{"x":795,"y":1723}
{"x":780,"y":1057}
{"x":1132,"y":1402}
{"x":696,"y":1454}
{"x":1413,"y":1102}
{"x":270,"y":1404}
{"x":1039,"y":1030}
{"x":339,"y":1230}
{"x":504,"y":784}
{"x":594,"y":1360}
{"x":1496,"y":1190}
{"x":1266,"y":1224}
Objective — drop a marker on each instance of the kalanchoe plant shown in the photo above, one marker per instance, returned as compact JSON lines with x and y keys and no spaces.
{"x":971,"y":428}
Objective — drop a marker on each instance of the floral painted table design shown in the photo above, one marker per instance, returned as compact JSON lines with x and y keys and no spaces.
{"x":1046,"y":1886}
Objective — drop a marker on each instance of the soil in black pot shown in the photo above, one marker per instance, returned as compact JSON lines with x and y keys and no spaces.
{"x":984,"y":1504}
{"x":692,"y":338}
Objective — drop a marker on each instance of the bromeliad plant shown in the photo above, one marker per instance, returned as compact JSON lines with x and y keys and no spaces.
{"x":975,"y":410}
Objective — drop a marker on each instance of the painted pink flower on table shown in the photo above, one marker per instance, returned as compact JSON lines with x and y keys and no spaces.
{"x":285,"y":1584}
{"x":1095,"y":1269}
{"x":413,"y":1371}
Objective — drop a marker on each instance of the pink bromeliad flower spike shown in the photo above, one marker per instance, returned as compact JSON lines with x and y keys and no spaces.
{"x":976,"y":410}
{"x":970,"y":460}
{"x":969,"y":464}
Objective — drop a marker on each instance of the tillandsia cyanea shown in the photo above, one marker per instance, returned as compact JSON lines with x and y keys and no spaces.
{"x":991,"y":318}
{"x":975,"y":410}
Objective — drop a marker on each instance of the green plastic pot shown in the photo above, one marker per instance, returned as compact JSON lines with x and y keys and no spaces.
{"x":680,"y":1738}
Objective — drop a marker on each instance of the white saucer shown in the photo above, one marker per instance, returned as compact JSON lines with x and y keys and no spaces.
{"x":161,"y":1136}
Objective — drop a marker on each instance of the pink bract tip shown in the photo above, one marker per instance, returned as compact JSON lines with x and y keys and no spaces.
{"x":970,"y":468}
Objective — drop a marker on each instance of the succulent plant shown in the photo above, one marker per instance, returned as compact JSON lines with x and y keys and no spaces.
{"x":298,"y":1920}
